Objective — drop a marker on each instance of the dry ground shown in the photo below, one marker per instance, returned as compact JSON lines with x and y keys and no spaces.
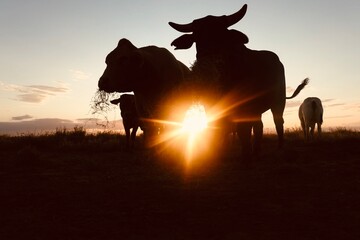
{"x":92,"y":189}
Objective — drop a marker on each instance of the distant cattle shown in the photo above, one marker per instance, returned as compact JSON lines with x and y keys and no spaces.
{"x":154,"y":75}
{"x":251,"y":81}
{"x":311,"y":113}
{"x":129,"y":117}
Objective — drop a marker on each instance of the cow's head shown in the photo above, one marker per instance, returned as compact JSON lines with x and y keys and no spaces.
{"x":123,"y":66}
{"x":211,"y":34}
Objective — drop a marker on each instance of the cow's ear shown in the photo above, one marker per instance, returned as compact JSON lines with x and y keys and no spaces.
{"x":183,"y":42}
{"x":238,"y":36}
{"x":115,"y":101}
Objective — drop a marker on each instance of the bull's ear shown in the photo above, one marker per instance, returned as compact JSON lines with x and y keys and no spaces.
{"x":238,"y":36}
{"x":183,"y":42}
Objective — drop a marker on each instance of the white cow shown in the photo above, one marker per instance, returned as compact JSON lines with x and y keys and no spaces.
{"x":311,"y":113}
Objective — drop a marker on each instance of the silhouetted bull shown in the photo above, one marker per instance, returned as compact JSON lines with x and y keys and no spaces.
{"x":130,"y":117}
{"x":153,"y":74}
{"x":251,"y":81}
{"x":311,"y":113}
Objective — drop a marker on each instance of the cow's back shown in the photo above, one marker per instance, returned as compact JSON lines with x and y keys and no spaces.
{"x":312,"y":110}
{"x":261,"y":79}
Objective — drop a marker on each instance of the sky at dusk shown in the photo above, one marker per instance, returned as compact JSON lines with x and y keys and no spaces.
{"x":52,"y":53}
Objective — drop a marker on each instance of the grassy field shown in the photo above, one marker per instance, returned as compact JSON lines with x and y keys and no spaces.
{"x":70,"y":185}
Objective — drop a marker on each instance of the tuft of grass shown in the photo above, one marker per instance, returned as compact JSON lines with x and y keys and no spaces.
{"x":341,"y":132}
{"x":294,"y":133}
{"x":77,"y":135}
{"x":62,"y":139}
{"x":78,"y":140}
{"x":100,"y":106}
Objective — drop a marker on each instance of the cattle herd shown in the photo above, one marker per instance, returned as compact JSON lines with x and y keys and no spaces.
{"x":249,"y":82}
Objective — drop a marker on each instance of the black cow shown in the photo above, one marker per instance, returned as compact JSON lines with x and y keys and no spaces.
{"x":154,"y":75}
{"x":251,"y":81}
{"x":129,"y":117}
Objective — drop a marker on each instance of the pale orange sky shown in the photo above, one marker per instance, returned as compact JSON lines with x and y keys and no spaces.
{"x":53,"y":52}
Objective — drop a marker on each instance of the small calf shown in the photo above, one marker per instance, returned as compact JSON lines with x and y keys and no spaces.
{"x":311,"y":113}
{"x":129,"y":116}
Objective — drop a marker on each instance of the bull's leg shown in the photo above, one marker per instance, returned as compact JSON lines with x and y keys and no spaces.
{"x":133,"y":136}
{"x":307,"y":131}
{"x":258,"y":135}
{"x":127,"y":135}
{"x":279,"y":125}
{"x":312,"y":129}
{"x":244,"y":132}
{"x":319,"y":129}
{"x":303,"y":129}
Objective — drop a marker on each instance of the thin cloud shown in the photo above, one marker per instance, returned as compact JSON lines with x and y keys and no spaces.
{"x":342,"y":116}
{"x":31,"y":97}
{"x":79,"y":75}
{"x":290,"y":104}
{"x":12,"y":88}
{"x":353,"y":107}
{"x":328,"y":100}
{"x":48,"y":89}
{"x":32,"y":93}
{"x":88,"y":119}
{"x":336,"y":105}
{"x":23,"y":117}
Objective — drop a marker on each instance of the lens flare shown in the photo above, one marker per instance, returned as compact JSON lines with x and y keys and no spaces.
{"x":195,"y":120}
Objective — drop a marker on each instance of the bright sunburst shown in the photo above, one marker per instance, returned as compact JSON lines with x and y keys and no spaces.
{"x":186,"y":136}
{"x":194,"y":123}
{"x":195,"y":119}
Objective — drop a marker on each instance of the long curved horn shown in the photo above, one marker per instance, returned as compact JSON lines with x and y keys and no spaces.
{"x":185,"y":28}
{"x":235,"y":17}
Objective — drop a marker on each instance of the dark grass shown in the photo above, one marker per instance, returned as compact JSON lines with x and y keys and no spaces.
{"x":70,"y":185}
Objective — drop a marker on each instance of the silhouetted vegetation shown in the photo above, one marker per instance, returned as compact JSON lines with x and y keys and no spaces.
{"x":73,"y":185}
{"x":78,"y":139}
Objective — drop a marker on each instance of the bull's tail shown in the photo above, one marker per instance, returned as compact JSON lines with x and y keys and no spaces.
{"x":299,"y":88}
{"x":313,"y":107}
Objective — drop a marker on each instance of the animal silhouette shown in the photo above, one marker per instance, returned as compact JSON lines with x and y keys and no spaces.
{"x":129,"y":117}
{"x":310,"y":114}
{"x":154,"y":75}
{"x":252,"y":81}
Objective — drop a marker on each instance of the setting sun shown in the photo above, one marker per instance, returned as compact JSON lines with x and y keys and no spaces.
{"x":195,"y":119}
